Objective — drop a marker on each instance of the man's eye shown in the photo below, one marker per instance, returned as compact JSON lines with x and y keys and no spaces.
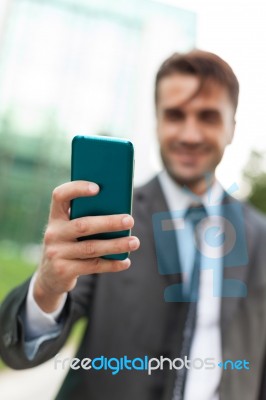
{"x":210,"y":116}
{"x":174,"y":115}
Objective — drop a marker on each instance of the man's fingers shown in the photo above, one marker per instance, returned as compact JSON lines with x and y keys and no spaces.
{"x":97,"y":248}
{"x":99,"y":266}
{"x":86,"y":226}
{"x":62,"y":195}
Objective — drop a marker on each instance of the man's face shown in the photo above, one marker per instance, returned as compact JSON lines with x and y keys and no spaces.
{"x":193,"y":131}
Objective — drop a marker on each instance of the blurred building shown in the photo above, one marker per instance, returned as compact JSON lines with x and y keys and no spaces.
{"x":68,"y":67}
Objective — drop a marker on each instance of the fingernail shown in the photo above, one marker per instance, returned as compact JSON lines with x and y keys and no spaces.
{"x":134,"y":243}
{"x":127,"y":221}
{"x":127,"y":263}
{"x":94,"y":188}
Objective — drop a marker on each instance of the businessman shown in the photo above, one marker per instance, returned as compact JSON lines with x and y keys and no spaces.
{"x":191,"y":292}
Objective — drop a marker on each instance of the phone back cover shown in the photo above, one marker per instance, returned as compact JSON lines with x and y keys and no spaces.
{"x":109,"y":162}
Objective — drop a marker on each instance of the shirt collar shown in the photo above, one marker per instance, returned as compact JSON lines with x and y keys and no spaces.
{"x":179,"y":198}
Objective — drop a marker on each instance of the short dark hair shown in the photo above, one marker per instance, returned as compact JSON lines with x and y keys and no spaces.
{"x":203,"y":64}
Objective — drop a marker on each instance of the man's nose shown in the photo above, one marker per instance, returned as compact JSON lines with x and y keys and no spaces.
{"x":190,"y":131}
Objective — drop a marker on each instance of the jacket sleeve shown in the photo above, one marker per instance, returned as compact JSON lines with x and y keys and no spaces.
{"x":12,"y":341}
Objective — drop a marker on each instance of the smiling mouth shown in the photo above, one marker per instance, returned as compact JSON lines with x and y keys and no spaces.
{"x":189,"y":152}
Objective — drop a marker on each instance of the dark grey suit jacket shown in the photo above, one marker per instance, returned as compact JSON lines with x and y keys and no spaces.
{"x":128,"y":316}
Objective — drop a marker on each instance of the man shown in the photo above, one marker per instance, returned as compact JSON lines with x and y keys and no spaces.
{"x":143,"y":311}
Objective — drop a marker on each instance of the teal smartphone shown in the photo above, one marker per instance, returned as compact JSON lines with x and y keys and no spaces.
{"x":109,"y":162}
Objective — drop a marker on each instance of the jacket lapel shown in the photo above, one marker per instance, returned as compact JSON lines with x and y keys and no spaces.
{"x":165,"y":238}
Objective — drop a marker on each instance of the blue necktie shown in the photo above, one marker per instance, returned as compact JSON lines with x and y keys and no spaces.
{"x":194,"y":215}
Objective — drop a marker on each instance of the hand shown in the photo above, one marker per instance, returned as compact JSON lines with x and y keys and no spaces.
{"x":64,"y":258}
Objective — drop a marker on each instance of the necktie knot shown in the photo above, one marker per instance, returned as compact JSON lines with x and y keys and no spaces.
{"x":196,"y":214}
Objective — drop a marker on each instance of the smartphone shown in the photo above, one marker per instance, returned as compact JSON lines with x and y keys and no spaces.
{"x":109,"y":162}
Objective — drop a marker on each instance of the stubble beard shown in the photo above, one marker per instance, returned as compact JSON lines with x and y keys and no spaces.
{"x":195,"y":180}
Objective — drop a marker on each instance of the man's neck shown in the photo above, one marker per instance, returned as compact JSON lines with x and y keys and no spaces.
{"x":201,"y":187}
{"x":198,"y":187}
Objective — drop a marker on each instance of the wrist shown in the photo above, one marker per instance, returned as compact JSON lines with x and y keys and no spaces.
{"x":48,"y":300}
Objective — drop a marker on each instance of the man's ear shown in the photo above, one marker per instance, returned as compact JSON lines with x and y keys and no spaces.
{"x":156,"y":128}
{"x":232,"y":133}
{"x":156,"y":124}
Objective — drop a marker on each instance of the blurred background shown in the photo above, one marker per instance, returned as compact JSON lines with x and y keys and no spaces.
{"x":72,"y":67}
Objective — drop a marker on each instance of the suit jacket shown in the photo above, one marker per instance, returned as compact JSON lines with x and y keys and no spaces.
{"x":127,"y":315}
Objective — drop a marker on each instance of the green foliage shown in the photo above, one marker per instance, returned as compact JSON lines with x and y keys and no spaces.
{"x":2,"y":365}
{"x":13,"y":269}
{"x":258,"y":193}
{"x":30,"y":168}
{"x":255,"y":175}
